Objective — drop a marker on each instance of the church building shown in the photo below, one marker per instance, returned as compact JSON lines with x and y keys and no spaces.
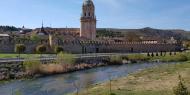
{"x":88,"y":20}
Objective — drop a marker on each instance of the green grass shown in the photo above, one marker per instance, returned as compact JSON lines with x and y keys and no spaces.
{"x":23,"y":55}
{"x":179,"y":57}
{"x":140,"y":57}
{"x":154,"y":81}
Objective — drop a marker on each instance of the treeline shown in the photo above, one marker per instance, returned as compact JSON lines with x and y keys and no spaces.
{"x":8,"y":28}
{"x":108,"y":33}
{"x":129,"y":36}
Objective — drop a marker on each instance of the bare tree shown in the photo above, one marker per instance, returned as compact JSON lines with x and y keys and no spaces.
{"x":76,"y":85}
{"x":110,"y":82}
{"x":20,"y":48}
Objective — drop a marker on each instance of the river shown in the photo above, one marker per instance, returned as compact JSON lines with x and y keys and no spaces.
{"x":63,"y":83}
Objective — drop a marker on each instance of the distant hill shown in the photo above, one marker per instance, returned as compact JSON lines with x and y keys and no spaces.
{"x":145,"y":32}
{"x":113,"y":32}
{"x":8,"y":28}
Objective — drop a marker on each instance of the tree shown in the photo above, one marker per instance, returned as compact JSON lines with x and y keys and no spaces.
{"x":148,"y":54}
{"x":31,"y":66}
{"x":35,"y":37}
{"x":65,"y":58}
{"x":186,"y":44}
{"x":8,"y":28}
{"x":76,"y":85}
{"x":170,"y":53}
{"x":41,"y":49}
{"x":157,"y":54}
{"x":152,"y":54}
{"x":20,"y":48}
{"x":132,"y":37}
{"x":58,"y":49}
{"x":181,"y":89}
{"x":116,"y":60}
{"x":110,"y":84}
{"x":161,"y":53}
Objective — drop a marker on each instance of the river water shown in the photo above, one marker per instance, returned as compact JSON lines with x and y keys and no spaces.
{"x":64,"y":83}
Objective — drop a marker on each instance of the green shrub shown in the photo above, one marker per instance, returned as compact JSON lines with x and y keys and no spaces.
{"x":32,"y":66}
{"x":140,"y":57}
{"x":174,"y":58}
{"x":58,"y":49}
{"x":65,"y":58}
{"x":41,"y":49}
{"x":187,"y":54}
{"x":20,"y":48}
{"x":179,"y":57}
{"x":181,"y":89}
{"x":35,"y":37}
{"x":116,"y":59}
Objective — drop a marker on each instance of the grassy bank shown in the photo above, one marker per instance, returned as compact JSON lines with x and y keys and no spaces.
{"x":178,"y":57}
{"x":174,"y":57}
{"x":66,"y":63}
{"x":23,"y":55}
{"x":153,"y":81}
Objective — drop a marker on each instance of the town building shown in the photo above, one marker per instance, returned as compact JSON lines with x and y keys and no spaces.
{"x":84,"y":40}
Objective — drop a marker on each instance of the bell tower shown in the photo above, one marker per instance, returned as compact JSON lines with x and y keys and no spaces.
{"x":88,"y":20}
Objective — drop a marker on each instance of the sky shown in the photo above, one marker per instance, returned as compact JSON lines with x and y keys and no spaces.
{"x":128,"y":14}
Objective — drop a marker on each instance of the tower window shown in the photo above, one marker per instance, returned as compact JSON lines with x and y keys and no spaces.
{"x":84,"y":14}
{"x":89,"y":14}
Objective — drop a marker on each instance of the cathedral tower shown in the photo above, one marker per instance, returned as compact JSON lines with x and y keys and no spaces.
{"x":88,"y":20}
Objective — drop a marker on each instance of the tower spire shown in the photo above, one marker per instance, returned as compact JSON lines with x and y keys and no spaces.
{"x":88,"y":20}
{"x":42,"y":23}
{"x":42,"y":28}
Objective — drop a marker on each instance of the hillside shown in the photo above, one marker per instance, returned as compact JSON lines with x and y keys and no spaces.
{"x":145,"y":32}
{"x":113,"y":32}
{"x":8,"y":29}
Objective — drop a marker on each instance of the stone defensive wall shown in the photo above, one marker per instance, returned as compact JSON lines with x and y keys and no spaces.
{"x":119,"y":47}
{"x":93,"y":46}
{"x":9,"y":46}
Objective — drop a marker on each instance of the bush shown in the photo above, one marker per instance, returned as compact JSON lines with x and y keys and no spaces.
{"x":31,"y":66}
{"x":20,"y":48}
{"x":35,"y":37}
{"x":174,"y":58}
{"x":58,"y":49}
{"x":65,"y":58}
{"x":41,"y":49}
{"x":116,"y":60}
{"x":51,"y":69}
{"x":139,"y":57}
{"x":181,"y":89}
{"x":181,"y":57}
{"x":187,"y":54}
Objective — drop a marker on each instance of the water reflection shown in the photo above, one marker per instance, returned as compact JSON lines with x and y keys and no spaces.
{"x":62,"y":84}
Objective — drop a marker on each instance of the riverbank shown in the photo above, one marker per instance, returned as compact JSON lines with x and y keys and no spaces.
{"x":62,"y":84}
{"x":4,"y":56}
{"x":154,"y":81}
{"x":34,"y":69}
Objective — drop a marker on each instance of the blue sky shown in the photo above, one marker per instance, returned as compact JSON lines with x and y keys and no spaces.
{"x":162,"y":14}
